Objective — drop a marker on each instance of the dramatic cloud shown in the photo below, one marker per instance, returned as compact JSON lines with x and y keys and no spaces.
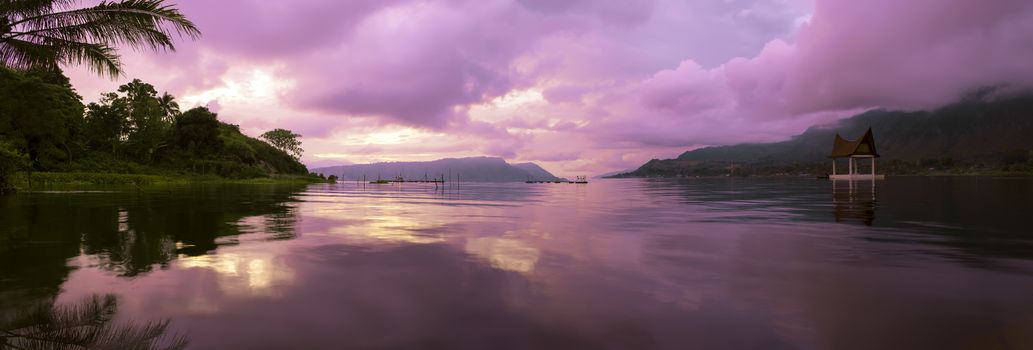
{"x":582,"y":86}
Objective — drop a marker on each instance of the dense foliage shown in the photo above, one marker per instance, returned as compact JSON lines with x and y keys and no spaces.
{"x":132,"y":130}
{"x":11,"y":161}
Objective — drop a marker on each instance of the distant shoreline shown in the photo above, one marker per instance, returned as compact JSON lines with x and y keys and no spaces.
{"x":1010,"y":174}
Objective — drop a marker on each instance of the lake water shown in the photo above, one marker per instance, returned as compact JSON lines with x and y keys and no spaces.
{"x":906,"y":263}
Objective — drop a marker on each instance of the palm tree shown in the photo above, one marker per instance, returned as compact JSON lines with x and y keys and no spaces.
{"x":46,"y":33}
{"x":169,"y":107}
{"x":83,"y":325}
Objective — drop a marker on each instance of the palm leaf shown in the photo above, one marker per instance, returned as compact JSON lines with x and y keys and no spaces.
{"x":39,"y":35}
{"x":27,"y":8}
{"x":45,"y":53}
{"x":84,"y":325}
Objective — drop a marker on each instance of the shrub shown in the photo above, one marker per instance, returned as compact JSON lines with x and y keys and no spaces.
{"x":11,"y":161}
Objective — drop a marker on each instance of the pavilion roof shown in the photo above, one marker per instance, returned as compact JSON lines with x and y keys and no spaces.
{"x":864,"y":146}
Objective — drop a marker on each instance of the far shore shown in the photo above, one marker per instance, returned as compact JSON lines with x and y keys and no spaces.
{"x":996,"y":174}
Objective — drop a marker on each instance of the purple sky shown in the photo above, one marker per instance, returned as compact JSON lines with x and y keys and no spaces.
{"x":579,"y":86}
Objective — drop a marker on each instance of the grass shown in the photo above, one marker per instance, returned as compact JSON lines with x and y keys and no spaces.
{"x":22,"y":180}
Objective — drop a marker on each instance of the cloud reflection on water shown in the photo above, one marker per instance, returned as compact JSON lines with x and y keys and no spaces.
{"x":712,"y":263}
{"x":504,"y":253}
{"x":243,"y":273}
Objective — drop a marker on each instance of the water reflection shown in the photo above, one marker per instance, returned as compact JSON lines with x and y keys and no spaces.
{"x":134,"y":232}
{"x":389,"y":229}
{"x":854,"y":201}
{"x":653,"y":264}
{"x":243,"y":273}
{"x":86,"y":324}
{"x":504,"y":253}
{"x":128,"y":234}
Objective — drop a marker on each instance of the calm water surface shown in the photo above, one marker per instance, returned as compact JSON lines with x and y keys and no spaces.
{"x":909,"y":263}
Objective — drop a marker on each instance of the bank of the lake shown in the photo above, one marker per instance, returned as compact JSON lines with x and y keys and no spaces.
{"x":43,"y":179}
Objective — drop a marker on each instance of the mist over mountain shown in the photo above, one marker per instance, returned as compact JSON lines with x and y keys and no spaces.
{"x":478,"y":169}
{"x":978,"y":133}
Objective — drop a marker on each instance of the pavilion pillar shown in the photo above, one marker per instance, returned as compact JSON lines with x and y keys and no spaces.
{"x":850,"y":165}
{"x":873,"y":167}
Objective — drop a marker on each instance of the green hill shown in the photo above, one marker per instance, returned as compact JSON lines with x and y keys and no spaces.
{"x":45,"y":127}
{"x":977,"y":135}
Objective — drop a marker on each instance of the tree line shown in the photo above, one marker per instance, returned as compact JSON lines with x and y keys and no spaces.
{"x":44,"y":125}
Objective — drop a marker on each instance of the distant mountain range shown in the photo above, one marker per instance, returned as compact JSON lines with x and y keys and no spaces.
{"x":478,"y":169}
{"x":972,"y":135}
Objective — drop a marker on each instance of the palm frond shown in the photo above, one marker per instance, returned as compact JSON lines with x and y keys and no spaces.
{"x":50,"y":51}
{"x":28,"y":8}
{"x":144,"y":337}
{"x":92,"y":32}
{"x":21,"y":54}
{"x":63,"y":327}
{"x":84,"y":325}
{"x":130,"y":15}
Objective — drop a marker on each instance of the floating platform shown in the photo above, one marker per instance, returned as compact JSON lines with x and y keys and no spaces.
{"x":408,"y":181}
{"x":857,"y":177}
{"x":556,"y":182}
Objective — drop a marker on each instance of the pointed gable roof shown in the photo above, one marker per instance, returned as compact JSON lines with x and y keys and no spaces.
{"x":863,"y":146}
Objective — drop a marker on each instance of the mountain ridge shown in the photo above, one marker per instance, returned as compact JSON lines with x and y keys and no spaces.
{"x":477,"y":169}
{"x":973,"y":135}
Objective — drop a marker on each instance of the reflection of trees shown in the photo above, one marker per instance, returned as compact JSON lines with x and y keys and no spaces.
{"x":153,"y":234}
{"x":84,"y":325}
{"x":128,"y":232}
{"x":133,"y":232}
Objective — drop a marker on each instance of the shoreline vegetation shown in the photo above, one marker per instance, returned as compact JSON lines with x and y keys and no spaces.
{"x":45,"y":179}
{"x":131,"y":136}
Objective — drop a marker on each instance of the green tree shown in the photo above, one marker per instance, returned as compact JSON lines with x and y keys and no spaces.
{"x":132,"y":117}
{"x":197,"y":131}
{"x":11,"y":161}
{"x":38,"y":117}
{"x":286,"y":141}
{"x":47,"y":33}
{"x":147,"y":122}
{"x":106,"y":123}
{"x":169,"y":107}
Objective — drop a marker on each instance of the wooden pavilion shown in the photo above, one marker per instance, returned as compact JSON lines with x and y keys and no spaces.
{"x":854,"y":150}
